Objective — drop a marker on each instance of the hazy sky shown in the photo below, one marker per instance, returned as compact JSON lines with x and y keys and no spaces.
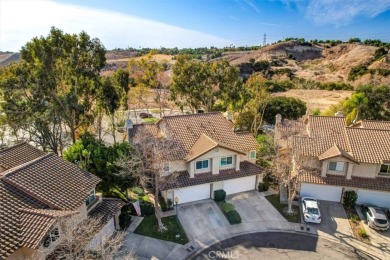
{"x":193,"y":23}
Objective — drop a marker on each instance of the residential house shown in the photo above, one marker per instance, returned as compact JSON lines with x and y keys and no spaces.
{"x":37,"y":192}
{"x":348,"y":158}
{"x":211,"y":156}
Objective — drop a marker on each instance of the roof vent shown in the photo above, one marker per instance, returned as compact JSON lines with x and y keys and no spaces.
{"x":339,"y":114}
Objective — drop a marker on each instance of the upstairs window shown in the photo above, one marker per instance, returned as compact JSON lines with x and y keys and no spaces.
{"x":204,"y":164}
{"x":166,"y":167}
{"x":252,"y":155}
{"x":337,"y":166}
{"x":226,"y":161}
{"x":91,"y":197}
{"x":385,"y":169}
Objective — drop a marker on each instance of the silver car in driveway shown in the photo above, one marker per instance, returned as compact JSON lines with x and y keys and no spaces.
{"x":376,"y":217}
{"x":310,"y":210}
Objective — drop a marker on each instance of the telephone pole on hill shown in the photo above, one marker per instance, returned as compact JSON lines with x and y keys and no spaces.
{"x":265,"y":40}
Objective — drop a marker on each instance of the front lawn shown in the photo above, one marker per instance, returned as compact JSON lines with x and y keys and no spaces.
{"x":282,"y":208}
{"x":148,"y":227}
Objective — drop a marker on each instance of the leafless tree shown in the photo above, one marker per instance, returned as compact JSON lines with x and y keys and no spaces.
{"x":147,"y":165}
{"x":74,"y":242}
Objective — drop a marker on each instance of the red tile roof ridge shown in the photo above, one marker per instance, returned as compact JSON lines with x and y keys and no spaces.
{"x":194,"y":114}
{"x":22,"y":166}
{"x":364,"y":128}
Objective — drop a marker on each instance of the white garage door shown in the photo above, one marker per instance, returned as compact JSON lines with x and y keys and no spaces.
{"x":321,"y":192}
{"x":239,"y":185}
{"x":379,"y":198}
{"x":193,"y":193}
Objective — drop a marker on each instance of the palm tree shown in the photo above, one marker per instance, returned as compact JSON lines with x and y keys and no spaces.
{"x":354,"y":105}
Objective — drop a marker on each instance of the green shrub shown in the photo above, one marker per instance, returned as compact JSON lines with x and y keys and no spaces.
{"x":138,"y":190}
{"x":219,"y":195}
{"x":228,"y":207}
{"x":169,"y":203}
{"x":125,"y":217}
{"x":263,"y":186}
{"x":147,"y":208}
{"x":355,"y":218}
{"x":233,"y":217}
{"x":362,"y":233}
{"x":162,"y":203}
{"x":350,"y":198}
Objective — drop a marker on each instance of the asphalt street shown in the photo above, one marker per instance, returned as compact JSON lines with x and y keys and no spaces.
{"x":274,"y":245}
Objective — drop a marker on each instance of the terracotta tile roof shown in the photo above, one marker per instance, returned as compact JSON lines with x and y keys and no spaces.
{"x":382,"y":184}
{"x":184,"y":180}
{"x":372,"y":124}
{"x":205,"y":144}
{"x":36,"y":223}
{"x":44,"y":180}
{"x":18,"y":155}
{"x":11,"y":200}
{"x":369,"y":145}
{"x":187,"y":129}
{"x":106,"y":209}
{"x":335,"y":151}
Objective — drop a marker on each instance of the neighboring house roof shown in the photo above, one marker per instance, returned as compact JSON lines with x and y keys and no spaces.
{"x":44,"y":179}
{"x":372,"y":124}
{"x":106,"y":209}
{"x":369,"y":145}
{"x":186,"y":130}
{"x":18,"y":154}
{"x":336,"y":151}
{"x":205,"y":144}
{"x":381,"y":184}
{"x":38,"y":189}
{"x":358,"y":143}
{"x":36,"y":223}
{"x":184,"y":180}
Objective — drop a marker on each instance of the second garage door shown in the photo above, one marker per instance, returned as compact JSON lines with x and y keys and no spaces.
{"x":239,"y":185}
{"x":321,"y":192}
{"x":379,"y":198}
{"x":193,"y":193}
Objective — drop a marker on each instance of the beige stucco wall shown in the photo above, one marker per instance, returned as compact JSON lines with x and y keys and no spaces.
{"x":177,"y":166}
{"x":365,"y":170}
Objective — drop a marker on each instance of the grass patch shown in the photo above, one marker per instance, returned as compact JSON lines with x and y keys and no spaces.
{"x":148,"y":227}
{"x":275,"y":201}
{"x":150,"y":120}
{"x":112,"y":192}
{"x":357,"y":227}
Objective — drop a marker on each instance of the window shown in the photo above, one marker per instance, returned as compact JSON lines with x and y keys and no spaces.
{"x":226,"y":161}
{"x":91,"y":197}
{"x":204,"y":164}
{"x":385,"y":169}
{"x":53,"y":236}
{"x":337,"y":166}
{"x":166,"y":167}
{"x":252,"y":155}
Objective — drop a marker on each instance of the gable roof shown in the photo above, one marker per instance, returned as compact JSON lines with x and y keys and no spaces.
{"x":33,"y":194}
{"x":336,"y":151}
{"x":372,"y":124}
{"x":205,"y":144}
{"x":187,"y":129}
{"x":18,"y":155}
{"x":357,"y":144}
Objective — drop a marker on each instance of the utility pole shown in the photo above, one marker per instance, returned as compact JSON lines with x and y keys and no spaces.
{"x":265,"y":40}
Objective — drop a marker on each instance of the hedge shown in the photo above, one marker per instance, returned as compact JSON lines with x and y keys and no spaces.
{"x":219,"y":195}
{"x":125,"y":217}
{"x":233,"y":217}
{"x":227,"y":207}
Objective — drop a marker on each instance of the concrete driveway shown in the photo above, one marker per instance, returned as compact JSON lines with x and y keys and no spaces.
{"x":201,"y":217}
{"x":334,"y":219}
{"x":252,"y":207}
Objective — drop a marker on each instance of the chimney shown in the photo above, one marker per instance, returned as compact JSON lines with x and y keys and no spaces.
{"x":339,"y":114}
{"x":228,"y":116}
{"x":278,"y":119}
{"x":129,"y":128}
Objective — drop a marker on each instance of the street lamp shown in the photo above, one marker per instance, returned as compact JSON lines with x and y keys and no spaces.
{"x":177,"y":217}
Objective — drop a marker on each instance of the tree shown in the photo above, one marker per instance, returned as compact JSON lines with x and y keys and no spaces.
{"x":55,"y":83}
{"x":378,"y":105}
{"x":258,"y":99}
{"x":75,"y":238}
{"x":200,"y":84}
{"x":353,"y":106}
{"x":146,"y":73}
{"x":148,"y":165}
{"x":288,"y":107}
